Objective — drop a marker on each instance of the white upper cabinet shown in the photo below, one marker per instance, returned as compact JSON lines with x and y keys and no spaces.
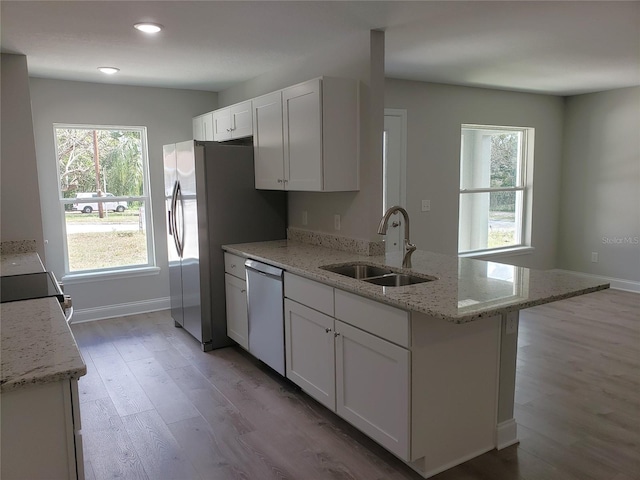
{"x":232,"y":122}
{"x":268,"y":144}
{"x":224,"y":124}
{"x":203,"y":127}
{"x":240,"y":118}
{"x":318,"y":133}
{"x":221,"y":125}
{"x":302,"y":125}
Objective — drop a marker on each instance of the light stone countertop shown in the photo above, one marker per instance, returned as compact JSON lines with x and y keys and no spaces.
{"x":20,"y":263}
{"x":465,"y":289}
{"x":37,"y":344}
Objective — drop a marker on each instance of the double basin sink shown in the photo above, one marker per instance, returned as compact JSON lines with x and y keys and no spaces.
{"x":376,"y":275}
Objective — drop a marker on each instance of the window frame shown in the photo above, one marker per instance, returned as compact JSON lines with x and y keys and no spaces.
{"x":524,"y":186}
{"x":123,"y":270}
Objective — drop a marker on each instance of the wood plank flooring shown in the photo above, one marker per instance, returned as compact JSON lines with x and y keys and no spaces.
{"x":155,"y":407}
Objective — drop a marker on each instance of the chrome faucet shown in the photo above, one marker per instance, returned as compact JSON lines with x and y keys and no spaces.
{"x":408,"y":248}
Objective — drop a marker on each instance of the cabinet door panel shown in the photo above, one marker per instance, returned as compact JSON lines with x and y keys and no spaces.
{"x":198,"y":128}
{"x":372,"y":387}
{"x":302,"y":106}
{"x":207,"y":126}
{"x":221,"y":125}
{"x":241,"y":121}
{"x":268,"y":146}
{"x":310,"y":350}
{"x":203,"y":127}
{"x":237,"y":321}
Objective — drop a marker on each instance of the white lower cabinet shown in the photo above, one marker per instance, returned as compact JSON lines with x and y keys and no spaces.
{"x":310,"y":347}
{"x":235,"y":290}
{"x":423,"y":388}
{"x":41,"y":432}
{"x":237,"y":319}
{"x":372,"y":387}
{"x":364,"y":378}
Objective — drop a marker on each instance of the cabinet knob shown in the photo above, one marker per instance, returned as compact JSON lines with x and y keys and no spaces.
{"x":336,"y":334}
{"x":327,"y":330}
{"x":279,"y":180}
{"x":243,"y":291}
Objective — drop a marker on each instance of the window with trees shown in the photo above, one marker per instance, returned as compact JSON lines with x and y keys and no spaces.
{"x":495,"y":188}
{"x":104,"y":196}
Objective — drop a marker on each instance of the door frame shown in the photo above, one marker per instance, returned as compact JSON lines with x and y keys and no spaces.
{"x":402,"y":113}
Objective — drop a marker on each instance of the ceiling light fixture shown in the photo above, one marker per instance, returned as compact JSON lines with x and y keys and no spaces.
{"x":147,"y":27}
{"x":109,"y":70}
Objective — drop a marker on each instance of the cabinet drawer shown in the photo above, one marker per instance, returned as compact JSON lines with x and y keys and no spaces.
{"x":307,"y":292}
{"x":234,"y":265}
{"x":374,"y":317}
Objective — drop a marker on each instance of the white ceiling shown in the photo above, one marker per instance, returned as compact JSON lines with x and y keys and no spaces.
{"x":561,"y":48}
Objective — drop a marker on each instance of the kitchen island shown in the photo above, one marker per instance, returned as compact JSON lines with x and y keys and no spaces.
{"x":427,"y":370}
{"x":40,"y":368}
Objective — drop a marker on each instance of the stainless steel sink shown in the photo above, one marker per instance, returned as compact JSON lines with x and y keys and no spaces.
{"x":397,"y":280}
{"x":383,"y":276}
{"x":357,"y":270}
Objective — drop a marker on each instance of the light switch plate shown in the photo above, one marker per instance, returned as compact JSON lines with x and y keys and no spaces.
{"x":426,"y":205}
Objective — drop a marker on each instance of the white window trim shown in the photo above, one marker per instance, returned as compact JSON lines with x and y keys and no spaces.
{"x":525,"y":246}
{"x":498,"y":252}
{"x":109,"y":274}
{"x":126,"y":271}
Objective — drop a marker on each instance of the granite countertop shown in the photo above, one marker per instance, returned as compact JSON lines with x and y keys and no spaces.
{"x":464,"y":289}
{"x":37,"y":344}
{"x":20,"y":263}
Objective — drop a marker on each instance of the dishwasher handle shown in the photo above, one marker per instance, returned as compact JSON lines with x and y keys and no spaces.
{"x":263,"y":268}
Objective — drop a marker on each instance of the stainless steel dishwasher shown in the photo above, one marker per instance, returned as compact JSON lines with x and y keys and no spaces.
{"x":266,"y":314}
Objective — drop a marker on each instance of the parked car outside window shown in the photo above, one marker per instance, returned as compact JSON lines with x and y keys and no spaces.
{"x":89,"y":207}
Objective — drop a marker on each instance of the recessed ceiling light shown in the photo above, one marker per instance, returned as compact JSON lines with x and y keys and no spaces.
{"x":109,"y":70}
{"x":148,"y":27}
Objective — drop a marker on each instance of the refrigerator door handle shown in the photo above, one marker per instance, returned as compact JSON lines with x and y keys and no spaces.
{"x":173,"y":226}
{"x":179,"y":232}
{"x":169,"y":224}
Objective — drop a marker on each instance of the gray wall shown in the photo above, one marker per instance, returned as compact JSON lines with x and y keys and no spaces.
{"x":166,"y":113}
{"x":434,"y":115}
{"x":20,"y":215}
{"x":361,"y":58}
{"x":601,"y":184}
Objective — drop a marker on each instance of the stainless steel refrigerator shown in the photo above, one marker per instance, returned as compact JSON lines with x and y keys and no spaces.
{"x":211,"y":200}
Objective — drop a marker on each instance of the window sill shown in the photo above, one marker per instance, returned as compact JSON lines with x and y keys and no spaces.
{"x":73,"y":278}
{"x":492,"y":254}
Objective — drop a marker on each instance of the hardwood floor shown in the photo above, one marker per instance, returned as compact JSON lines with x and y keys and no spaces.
{"x":155,"y":407}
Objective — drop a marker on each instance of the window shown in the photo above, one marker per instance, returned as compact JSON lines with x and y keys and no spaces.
{"x":495,"y":188}
{"x":104,"y":197}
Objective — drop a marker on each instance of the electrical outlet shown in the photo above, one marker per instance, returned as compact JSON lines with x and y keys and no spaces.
{"x":512,"y":324}
{"x":426,"y":205}
{"x":336,"y":221}
{"x":594,"y":257}
{"x":305,"y":218}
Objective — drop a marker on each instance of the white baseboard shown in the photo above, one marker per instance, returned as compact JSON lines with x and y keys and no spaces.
{"x":420,"y":467}
{"x":120,"y":310}
{"x":506,"y":434}
{"x":616,"y":283}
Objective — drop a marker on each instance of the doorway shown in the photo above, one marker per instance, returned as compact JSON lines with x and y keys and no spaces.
{"x":394,"y":173}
